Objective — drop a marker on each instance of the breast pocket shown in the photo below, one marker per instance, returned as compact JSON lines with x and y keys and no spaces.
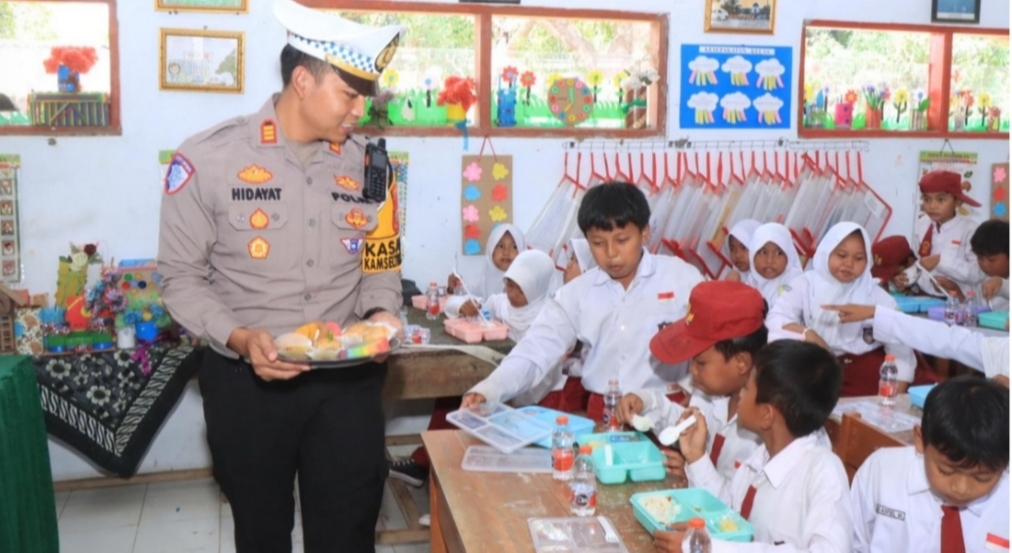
{"x":256,"y":236}
{"x":345,"y":242}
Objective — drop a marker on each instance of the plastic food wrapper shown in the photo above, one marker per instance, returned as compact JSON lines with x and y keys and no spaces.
{"x":577,"y":534}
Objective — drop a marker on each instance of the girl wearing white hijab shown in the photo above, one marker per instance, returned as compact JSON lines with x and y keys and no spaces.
{"x":841,"y":274}
{"x":739,"y":239}
{"x":775,"y":262}
{"x":574,"y":260}
{"x":479,"y":278}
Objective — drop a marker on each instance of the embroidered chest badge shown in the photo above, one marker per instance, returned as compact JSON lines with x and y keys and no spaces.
{"x":180,"y":172}
{"x":868,"y":334}
{"x":347,"y":183}
{"x":254,"y":174}
{"x":356,"y":218}
{"x":268,"y":132}
{"x":335,"y":148}
{"x":259,"y":219}
{"x":259,"y":248}
{"x":353,"y":245}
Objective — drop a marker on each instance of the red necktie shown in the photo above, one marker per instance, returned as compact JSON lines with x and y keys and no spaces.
{"x":718,"y":444}
{"x":952,"y":531}
{"x":925,"y":250}
{"x":746,"y":505}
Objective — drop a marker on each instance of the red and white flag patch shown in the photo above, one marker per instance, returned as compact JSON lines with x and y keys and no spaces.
{"x":666,"y":297}
{"x":995,"y":543}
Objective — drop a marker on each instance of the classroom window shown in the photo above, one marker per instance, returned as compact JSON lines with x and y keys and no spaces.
{"x":533,"y":72}
{"x":873,"y":80}
{"x":58,"y":61}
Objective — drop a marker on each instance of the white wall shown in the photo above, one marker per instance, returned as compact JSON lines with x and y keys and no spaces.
{"x":107,"y":189}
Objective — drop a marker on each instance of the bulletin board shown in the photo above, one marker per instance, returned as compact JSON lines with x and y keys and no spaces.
{"x":486,"y":198}
{"x":10,"y":227}
{"x":735,"y":87}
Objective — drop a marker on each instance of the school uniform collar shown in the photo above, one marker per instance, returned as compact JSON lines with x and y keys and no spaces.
{"x":778,"y":469}
{"x":646,"y":268}
{"x":917,"y":483}
{"x":939,"y":227}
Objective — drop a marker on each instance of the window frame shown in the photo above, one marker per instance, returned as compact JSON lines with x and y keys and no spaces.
{"x":657,"y":98}
{"x":939,"y":81}
{"x":115,"y":126}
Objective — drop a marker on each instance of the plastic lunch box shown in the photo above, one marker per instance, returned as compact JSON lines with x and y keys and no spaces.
{"x":634,"y":457}
{"x":695,"y":502}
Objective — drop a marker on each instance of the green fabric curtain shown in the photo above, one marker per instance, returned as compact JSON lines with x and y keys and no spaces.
{"x":27,"y":503}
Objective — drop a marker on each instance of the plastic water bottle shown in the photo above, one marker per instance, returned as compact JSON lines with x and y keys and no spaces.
{"x":432,"y":302}
{"x":887,"y":382}
{"x":611,"y":398}
{"x":970,"y":309}
{"x":562,"y":450}
{"x":952,"y":309}
{"x":698,"y":537}
{"x":583,"y":500}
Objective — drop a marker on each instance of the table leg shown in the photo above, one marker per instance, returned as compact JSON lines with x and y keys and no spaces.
{"x":437,"y":545}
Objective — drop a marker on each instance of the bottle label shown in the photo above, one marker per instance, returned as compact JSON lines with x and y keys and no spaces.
{"x":584,"y":497}
{"x":562,"y":460}
{"x":886,"y":389}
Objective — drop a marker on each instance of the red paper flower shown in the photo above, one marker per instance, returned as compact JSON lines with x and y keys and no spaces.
{"x":472,"y":231}
{"x":528,"y":79}
{"x":90,"y":249}
{"x":458,"y":90}
{"x":510,"y":73}
{"x":850,"y":97}
{"x":499,"y":193}
{"x":78,"y":58}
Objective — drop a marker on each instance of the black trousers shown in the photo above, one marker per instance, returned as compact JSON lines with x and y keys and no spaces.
{"x":326,"y":426}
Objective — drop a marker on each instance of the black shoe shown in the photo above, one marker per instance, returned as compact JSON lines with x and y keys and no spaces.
{"x":409,"y":471}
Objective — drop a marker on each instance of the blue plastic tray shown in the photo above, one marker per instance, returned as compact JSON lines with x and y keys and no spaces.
{"x":634,"y":457}
{"x":694,"y":502}
{"x":578,"y":425}
{"x":916,"y":304}
{"x":994,"y":319}
{"x":937,"y":312}
{"x":919,"y":394}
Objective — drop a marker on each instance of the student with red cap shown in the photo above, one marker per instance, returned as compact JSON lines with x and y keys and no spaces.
{"x":721,"y":333}
{"x":942,"y":235}
{"x":892,"y":257}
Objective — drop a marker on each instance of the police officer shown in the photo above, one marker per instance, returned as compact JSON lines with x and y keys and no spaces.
{"x":262,"y":229}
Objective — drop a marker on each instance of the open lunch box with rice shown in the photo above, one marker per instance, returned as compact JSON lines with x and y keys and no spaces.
{"x":661,"y":509}
{"x":326,"y":345}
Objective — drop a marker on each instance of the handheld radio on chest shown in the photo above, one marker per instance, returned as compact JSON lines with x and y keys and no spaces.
{"x":377,"y":171}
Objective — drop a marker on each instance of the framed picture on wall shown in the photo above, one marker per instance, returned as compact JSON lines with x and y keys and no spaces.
{"x":231,"y":6}
{"x":741,"y":16}
{"x":955,"y":11}
{"x":205,"y":61}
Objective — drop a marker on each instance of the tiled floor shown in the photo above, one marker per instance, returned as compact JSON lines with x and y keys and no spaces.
{"x":176,"y":517}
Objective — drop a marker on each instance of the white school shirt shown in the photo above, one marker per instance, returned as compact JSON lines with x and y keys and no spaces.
{"x":793,"y":307}
{"x":617,"y":324}
{"x":739,"y":443}
{"x":895,"y":510}
{"x":802,"y":501}
{"x":956,"y":260}
{"x":988,"y":354}
{"x":1000,"y":300}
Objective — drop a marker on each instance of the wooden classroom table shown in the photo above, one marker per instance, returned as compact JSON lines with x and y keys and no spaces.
{"x":488,"y":511}
{"x":905,"y":438}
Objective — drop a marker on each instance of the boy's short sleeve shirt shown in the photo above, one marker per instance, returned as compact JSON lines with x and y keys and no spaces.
{"x":951,"y":242}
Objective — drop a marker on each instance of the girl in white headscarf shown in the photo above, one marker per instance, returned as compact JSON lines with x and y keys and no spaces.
{"x":841,"y":274}
{"x":574,"y":260}
{"x":479,"y":278}
{"x":775,"y":262}
{"x":739,"y":239}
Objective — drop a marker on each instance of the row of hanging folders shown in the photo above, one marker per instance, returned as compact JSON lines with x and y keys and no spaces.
{"x":697,"y":196}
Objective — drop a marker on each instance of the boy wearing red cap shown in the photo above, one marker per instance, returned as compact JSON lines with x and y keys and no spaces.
{"x":892,"y":257}
{"x":942,"y":235}
{"x":720,"y":334}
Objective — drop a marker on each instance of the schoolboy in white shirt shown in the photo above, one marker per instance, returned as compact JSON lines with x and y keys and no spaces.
{"x":615,"y":308}
{"x":792,"y":489}
{"x":949,"y":492}
{"x":990,"y":244}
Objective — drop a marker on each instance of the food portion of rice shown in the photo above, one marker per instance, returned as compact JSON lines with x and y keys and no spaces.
{"x":662,"y":508}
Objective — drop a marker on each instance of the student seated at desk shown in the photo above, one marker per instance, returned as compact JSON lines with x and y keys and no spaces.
{"x":615,"y":308}
{"x":480,"y":278}
{"x":775,"y":262}
{"x":738,"y":240}
{"x":792,"y":489}
{"x":721,"y":334}
{"x":841,"y":274}
{"x":990,"y":244}
{"x":949,"y":492}
{"x":891,"y":257}
{"x":983,"y":353}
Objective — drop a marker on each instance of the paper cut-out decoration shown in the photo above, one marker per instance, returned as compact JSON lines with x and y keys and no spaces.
{"x":472,"y":231}
{"x":499,"y":171}
{"x":571,"y":101}
{"x":498,"y":214}
{"x":472,"y":172}
{"x":470,"y":214}
{"x":703,"y":71}
{"x":472,"y":247}
{"x":487,"y":200}
{"x":770,"y":74}
{"x":769,"y":109}
{"x":499,"y":193}
{"x":471,"y":193}
{"x":739,"y":69}
{"x":703,"y":103}
{"x":10,"y":226}
{"x":999,"y":191}
{"x":734,"y":107}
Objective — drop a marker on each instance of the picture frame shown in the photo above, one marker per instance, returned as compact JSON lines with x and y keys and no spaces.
{"x":741,"y":16}
{"x":201,"y":61}
{"x":223,"y":6}
{"x":955,"y":11}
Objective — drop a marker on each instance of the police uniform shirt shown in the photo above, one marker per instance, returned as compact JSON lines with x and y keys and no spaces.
{"x":738,"y":444}
{"x":252,"y":237}
{"x":951,"y":240}
{"x":617,"y":323}
{"x":895,"y":510}
{"x":801,"y":501}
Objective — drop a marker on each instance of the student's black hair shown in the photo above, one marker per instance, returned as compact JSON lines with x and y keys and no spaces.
{"x":292,"y":57}
{"x":802,"y":380}
{"x":613,"y":205}
{"x":966,"y":419}
{"x":750,"y":344}
{"x":990,"y":238}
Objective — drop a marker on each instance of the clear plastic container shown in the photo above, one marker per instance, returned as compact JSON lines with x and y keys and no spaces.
{"x":562,"y":450}
{"x":887,"y":383}
{"x":583,"y":499}
{"x":953,"y":310}
{"x":970,"y":309}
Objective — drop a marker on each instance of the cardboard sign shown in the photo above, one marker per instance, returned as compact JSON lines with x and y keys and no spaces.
{"x":999,"y":191}
{"x":486,"y":198}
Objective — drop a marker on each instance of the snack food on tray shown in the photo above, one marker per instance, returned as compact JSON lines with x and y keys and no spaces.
{"x":325,"y":341}
{"x":662,"y":508}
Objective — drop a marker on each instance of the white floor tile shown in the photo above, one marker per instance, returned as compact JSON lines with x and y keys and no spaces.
{"x":102,"y":509}
{"x":190,"y":536}
{"x":176,"y":501}
{"x":226,"y":531}
{"x":390,"y":516}
{"x":108,"y":540}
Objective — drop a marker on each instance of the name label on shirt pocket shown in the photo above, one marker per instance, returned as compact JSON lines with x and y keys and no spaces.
{"x":890,"y":512}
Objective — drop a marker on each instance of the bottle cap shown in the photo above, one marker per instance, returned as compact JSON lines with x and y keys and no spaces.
{"x":433,"y":283}
{"x":697,"y":523}
{"x":890,"y":357}
{"x":586,"y":450}
{"x":562,"y":419}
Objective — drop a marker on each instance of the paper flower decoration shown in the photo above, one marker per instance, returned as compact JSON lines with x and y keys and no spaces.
{"x":470,"y":214}
{"x":999,"y":174}
{"x":472,"y":231}
{"x":390,"y":78}
{"x":499,"y":193}
{"x":471,"y":193}
{"x":616,"y":81}
{"x":497,"y":213}
{"x":510,"y":74}
{"x":850,"y":97}
{"x":528,"y":79}
{"x":902,"y":96}
{"x":595,"y":77}
{"x":499,"y":171}
{"x":77,"y":58}
{"x":809,"y":92}
{"x":984,"y":100}
{"x":473,"y":172}
{"x":552,"y":77}
{"x":472,"y":247}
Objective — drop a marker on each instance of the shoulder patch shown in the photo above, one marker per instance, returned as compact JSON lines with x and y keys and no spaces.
{"x":180,"y":172}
